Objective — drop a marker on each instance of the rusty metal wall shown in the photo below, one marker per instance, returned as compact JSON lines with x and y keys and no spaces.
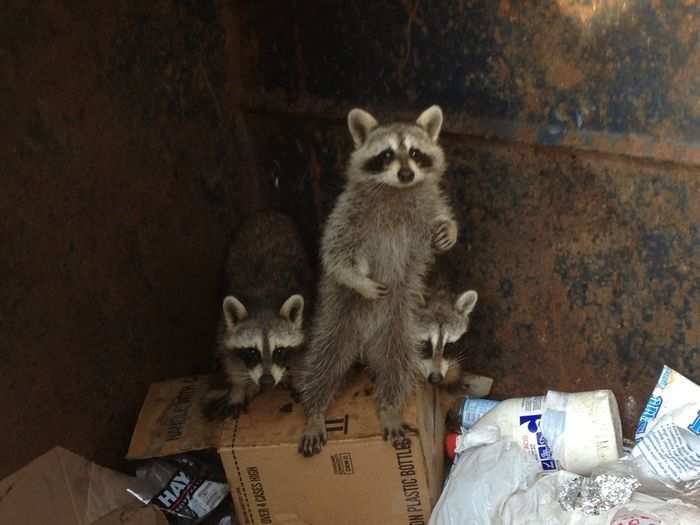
{"x":608,"y":75}
{"x":117,"y":192}
{"x":586,"y":265}
{"x":579,"y":235}
{"x":133,"y":136}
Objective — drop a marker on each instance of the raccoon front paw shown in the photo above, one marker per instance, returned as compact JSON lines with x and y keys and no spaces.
{"x":397,"y":434}
{"x":372,"y":290}
{"x":222,"y":408}
{"x":444,"y":235}
{"x":313,"y":438}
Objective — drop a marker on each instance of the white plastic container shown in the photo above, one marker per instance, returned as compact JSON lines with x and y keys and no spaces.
{"x":520,"y":420}
{"x":582,"y":429}
{"x":576,"y":432}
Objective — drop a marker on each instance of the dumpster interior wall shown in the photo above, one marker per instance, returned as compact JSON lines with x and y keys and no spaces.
{"x":137,"y":136}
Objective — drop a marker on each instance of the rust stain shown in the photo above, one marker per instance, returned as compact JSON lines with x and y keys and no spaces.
{"x":561,"y":73}
{"x":685,"y":90}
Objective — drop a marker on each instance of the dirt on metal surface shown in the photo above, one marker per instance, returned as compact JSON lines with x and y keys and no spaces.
{"x":586,"y":265}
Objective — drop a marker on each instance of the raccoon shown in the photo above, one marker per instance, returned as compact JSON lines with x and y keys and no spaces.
{"x":377,"y":245}
{"x":260,"y":333}
{"x":443,"y":319}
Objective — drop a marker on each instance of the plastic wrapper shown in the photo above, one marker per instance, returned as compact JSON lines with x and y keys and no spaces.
{"x":666,"y":457}
{"x":188,"y":487}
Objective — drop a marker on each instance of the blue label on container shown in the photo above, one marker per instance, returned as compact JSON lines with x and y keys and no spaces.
{"x":544,"y":453}
{"x":474,"y":409}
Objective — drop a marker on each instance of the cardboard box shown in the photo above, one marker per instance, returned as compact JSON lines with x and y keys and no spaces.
{"x":358,"y":478}
{"x":63,"y":488}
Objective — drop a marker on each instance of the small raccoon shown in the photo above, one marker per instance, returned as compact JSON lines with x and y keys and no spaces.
{"x":260,"y":333}
{"x":443,"y":320}
{"x":377,"y":245}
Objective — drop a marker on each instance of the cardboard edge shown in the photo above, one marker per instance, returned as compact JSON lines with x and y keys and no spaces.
{"x":433,"y":459}
{"x":354,"y":439}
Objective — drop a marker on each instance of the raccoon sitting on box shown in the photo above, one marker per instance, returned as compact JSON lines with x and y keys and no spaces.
{"x":260,"y":334}
{"x":444,"y":319}
{"x":377,"y":245}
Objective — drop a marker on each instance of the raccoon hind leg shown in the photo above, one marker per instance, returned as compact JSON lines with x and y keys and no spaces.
{"x":392,"y":356}
{"x":329,"y":359}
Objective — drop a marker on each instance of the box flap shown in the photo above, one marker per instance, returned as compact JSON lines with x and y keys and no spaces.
{"x":352,"y":415}
{"x":431,"y":425}
{"x":171,"y":420}
{"x":61,"y":488}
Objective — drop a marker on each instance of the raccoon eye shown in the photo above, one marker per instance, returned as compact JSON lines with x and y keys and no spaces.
{"x":426,"y":350}
{"x":387,"y":155}
{"x":420,"y":158}
{"x":451,"y":348}
{"x":250,"y":356}
{"x":280,"y":354}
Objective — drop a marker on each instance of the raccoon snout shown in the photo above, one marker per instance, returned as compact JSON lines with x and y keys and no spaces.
{"x":405,"y":175}
{"x":435,"y":378}
{"x":267,"y":381}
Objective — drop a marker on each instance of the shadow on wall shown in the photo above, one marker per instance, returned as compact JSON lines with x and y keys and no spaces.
{"x":120,"y":187}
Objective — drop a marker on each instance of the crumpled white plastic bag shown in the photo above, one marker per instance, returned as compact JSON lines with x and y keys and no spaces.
{"x":487,"y":472}
{"x":538,"y":504}
{"x":495,"y":482}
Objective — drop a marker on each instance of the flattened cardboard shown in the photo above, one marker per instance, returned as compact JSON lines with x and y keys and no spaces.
{"x":61,"y":488}
{"x":134,"y":514}
{"x":171,"y":420}
{"x":357,"y":478}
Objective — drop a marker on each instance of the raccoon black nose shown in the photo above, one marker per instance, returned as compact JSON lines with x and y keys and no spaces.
{"x":435,"y":378}
{"x":266,"y":380}
{"x":405,"y":175}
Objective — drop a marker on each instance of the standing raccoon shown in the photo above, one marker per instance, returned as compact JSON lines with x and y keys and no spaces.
{"x":377,"y":245}
{"x":260,"y":334}
{"x":444,"y":319}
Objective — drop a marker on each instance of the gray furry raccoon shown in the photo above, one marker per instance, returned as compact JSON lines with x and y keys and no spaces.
{"x":377,"y":245}
{"x":443,"y":319}
{"x":260,"y":334}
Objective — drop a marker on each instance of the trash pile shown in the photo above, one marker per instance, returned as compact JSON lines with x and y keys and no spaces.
{"x":63,"y":488}
{"x":558,"y":459}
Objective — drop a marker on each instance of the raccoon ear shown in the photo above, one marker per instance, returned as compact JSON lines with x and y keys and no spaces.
{"x":360,"y":124}
{"x":466,"y":302}
{"x":234,"y":312}
{"x":431,"y":121}
{"x":293,"y":310}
